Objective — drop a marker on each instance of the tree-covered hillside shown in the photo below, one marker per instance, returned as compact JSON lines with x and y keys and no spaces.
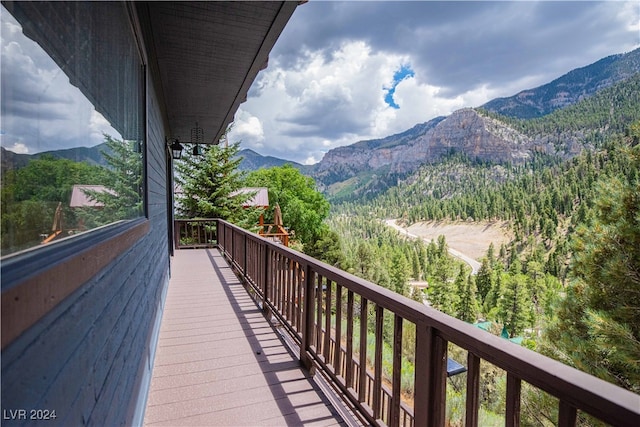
{"x":568,"y":89}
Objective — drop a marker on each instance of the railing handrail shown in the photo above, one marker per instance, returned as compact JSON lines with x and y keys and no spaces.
{"x":580,"y":390}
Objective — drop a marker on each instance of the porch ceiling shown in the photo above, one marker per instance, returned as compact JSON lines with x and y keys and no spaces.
{"x":207,"y":55}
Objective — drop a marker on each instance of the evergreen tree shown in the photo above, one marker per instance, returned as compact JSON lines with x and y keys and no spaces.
{"x":468,"y":307}
{"x":598,"y":327}
{"x":515,"y":310}
{"x":484,"y":279}
{"x":327,"y":248}
{"x":400,"y":274}
{"x":415,"y":265}
{"x":123,"y":179}
{"x":364,"y":259}
{"x":491,"y":255}
{"x":490,"y":303}
{"x":443,"y":295}
{"x":210,"y":183}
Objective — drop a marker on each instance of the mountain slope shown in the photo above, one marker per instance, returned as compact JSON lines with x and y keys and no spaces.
{"x":254,"y":161}
{"x":366,"y":168}
{"x":91,"y":155}
{"x":568,"y":89}
{"x":465,"y":131}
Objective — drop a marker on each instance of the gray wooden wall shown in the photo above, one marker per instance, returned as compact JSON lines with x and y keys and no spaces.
{"x":90,"y":357}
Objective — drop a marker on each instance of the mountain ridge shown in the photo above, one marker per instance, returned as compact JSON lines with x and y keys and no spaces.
{"x":471,"y":132}
{"x":568,"y":88}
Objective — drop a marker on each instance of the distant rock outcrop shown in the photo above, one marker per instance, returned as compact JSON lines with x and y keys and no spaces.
{"x":465,"y":131}
{"x":475,"y":134}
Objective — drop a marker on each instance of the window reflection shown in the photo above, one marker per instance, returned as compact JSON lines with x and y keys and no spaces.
{"x":72,"y":122}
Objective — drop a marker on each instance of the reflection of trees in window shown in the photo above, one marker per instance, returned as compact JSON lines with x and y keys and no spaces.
{"x":31,"y":195}
{"x":36,"y":199}
{"x":123,"y":183}
{"x":94,"y":47}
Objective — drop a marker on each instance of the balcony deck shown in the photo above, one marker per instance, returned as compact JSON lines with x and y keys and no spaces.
{"x":220,"y":362}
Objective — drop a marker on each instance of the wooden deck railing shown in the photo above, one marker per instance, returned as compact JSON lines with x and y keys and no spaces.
{"x":321,"y":306}
{"x":195,"y":233}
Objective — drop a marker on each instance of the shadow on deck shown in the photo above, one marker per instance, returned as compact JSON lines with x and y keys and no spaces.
{"x":220,"y":362}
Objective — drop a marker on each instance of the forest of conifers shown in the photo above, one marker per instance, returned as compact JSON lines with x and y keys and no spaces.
{"x":568,"y":283}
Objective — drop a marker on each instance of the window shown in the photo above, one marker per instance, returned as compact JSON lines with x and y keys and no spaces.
{"x":72,"y":121}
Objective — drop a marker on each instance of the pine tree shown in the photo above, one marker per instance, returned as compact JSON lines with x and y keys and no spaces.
{"x":484,"y":279}
{"x":490,"y":303}
{"x":208,"y":183}
{"x":364,"y":259}
{"x":443,"y":295}
{"x":598,"y":326}
{"x":328,"y":249}
{"x":399,"y":273}
{"x":515,"y":310}
{"x":123,"y":180}
{"x":468,"y":307}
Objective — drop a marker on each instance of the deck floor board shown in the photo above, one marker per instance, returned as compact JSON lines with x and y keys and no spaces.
{"x":219,"y":362}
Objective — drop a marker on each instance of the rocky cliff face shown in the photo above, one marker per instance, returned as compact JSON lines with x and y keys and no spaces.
{"x":464,"y":131}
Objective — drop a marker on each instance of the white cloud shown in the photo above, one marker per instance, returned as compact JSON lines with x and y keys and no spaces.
{"x":19,"y":148}
{"x":324,"y":101}
{"x":311,"y":160}
{"x":629,"y":16}
{"x":248,"y":129}
{"x":332,"y":99}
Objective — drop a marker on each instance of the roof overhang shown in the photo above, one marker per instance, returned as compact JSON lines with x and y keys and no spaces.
{"x":203,"y":56}
{"x":207,"y":55}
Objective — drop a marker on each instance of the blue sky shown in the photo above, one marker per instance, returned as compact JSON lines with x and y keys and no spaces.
{"x":342,"y":72}
{"x":404,"y":72}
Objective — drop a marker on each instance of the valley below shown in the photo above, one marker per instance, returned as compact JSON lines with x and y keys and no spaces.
{"x":468,"y":241}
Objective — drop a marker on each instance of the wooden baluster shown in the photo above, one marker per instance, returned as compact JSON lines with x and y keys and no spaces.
{"x":349,"y":355}
{"x":512,"y":416}
{"x":266,"y":282}
{"x":377,"y":364}
{"x":394,"y":417}
{"x":567,"y":415}
{"x":318,"y":314}
{"x":430,"y":378}
{"x":363,"y":350}
{"x":337,"y":354}
{"x":307,"y":327}
{"x":327,"y":323}
{"x":473,"y":390}
{"x":299,"y":298}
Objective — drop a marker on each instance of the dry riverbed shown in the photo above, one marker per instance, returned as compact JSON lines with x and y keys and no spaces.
{"x":470,"y":238}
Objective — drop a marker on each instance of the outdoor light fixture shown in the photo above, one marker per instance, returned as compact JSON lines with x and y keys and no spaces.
{"x":176,"y":149}
{"x":197,"y":138}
